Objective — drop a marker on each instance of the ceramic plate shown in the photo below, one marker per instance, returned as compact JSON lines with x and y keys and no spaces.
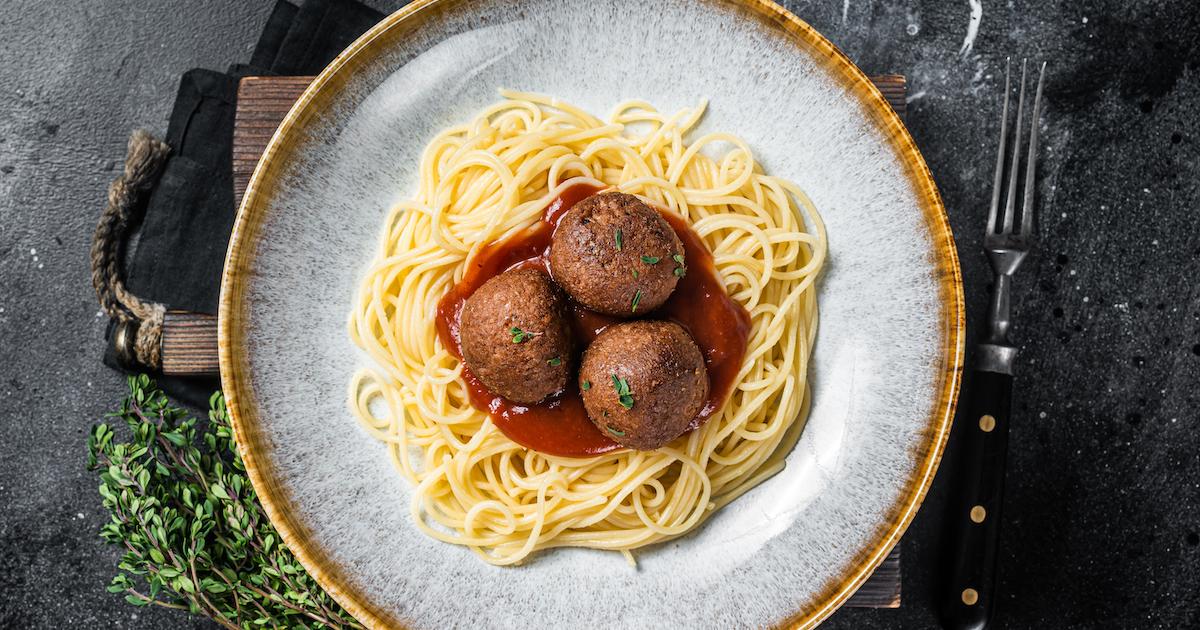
{"x":884,"y":375}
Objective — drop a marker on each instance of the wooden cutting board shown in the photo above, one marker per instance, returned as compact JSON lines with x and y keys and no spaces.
{"x":190,"y":339}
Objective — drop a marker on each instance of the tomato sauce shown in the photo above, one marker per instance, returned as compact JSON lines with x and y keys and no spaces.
{"x":559,"y":425}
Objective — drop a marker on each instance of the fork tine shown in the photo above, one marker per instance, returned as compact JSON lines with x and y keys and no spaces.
{"x":992,"y":225}
{"x":1010,"y":204}
{"x":1028,"y":209}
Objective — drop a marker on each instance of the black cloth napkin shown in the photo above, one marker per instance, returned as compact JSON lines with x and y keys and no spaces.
{"x":178,"y":253}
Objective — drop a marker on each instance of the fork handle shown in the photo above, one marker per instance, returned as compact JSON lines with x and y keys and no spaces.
{"x":973,"y":524}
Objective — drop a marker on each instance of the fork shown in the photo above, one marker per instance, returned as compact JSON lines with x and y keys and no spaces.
{"x":973,"y":521}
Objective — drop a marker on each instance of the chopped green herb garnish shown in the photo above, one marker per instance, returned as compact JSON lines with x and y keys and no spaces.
{"x":586,"y":385}
{"x":651,"y":260}
{"x":624,"y":396}
{"x":620,"y":241}
{"x":637,"y":297}
{"x":555,"y":361}
{"x":521,"y":336}
{"x":681,"y":270}
{"x":635,"y":274}
{"x":615,"y":431}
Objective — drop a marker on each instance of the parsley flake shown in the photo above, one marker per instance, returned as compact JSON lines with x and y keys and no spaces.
{"x":624,"y":396}
{"x":651,"y":260}
{"x":637,"y":297}
{"x":586,"y":385}
{"x":554,"y":362}
{"x":615,"y":431}
{"x":681,"y":270}
{"x":521,"y":336}
{"x":620,"y":240}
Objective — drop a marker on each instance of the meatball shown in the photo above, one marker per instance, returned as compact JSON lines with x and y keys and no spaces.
{"x":643,"y":382}
{"x":615,"y":254}
{"x":516,"y":337}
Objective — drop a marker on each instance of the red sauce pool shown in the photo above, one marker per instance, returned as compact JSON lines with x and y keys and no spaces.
{"x":559,"y":425}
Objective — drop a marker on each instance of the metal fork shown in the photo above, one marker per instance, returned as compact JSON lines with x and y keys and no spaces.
{"x":973,"y":520}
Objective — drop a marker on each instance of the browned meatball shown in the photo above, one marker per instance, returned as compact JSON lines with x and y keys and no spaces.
{"x":643,"y":382}
{"x":613,"y":254}
{"x":516,"y":337}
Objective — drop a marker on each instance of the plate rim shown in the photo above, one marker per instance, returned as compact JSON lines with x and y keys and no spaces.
{"x":240,"y":255}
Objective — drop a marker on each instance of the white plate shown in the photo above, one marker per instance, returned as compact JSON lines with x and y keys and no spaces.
{"x":884,"y":375}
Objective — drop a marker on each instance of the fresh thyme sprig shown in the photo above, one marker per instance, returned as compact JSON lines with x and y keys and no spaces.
{"x":194,"y":535}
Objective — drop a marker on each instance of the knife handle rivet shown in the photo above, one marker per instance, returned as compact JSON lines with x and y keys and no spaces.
{"x":970,"y":596}
{"x":978,"y":514}
{"x":987,"y":423}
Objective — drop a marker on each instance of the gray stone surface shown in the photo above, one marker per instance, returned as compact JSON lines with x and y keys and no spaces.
{"x":1103,"y":510}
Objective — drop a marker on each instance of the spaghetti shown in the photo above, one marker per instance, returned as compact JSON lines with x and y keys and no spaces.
{"x":489,"y":180}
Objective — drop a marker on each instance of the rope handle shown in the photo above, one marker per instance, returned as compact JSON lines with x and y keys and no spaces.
{"x":138,"y":336}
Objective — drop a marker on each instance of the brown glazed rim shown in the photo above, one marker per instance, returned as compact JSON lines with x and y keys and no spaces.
{"x":248,"y":227}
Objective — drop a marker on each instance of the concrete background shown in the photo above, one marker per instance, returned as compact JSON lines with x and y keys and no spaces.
{"x":1103,"y":508}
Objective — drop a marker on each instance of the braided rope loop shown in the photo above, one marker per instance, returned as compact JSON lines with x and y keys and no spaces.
{"x":144,"y":161}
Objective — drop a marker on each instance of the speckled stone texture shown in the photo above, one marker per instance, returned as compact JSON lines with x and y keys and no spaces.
{"x":1103,"y":506}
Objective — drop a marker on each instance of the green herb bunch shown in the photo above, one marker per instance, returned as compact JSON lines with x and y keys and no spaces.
{"x":194,"y":534}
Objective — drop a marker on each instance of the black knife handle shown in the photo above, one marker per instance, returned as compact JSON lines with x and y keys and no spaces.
{"x":973,"y":523}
